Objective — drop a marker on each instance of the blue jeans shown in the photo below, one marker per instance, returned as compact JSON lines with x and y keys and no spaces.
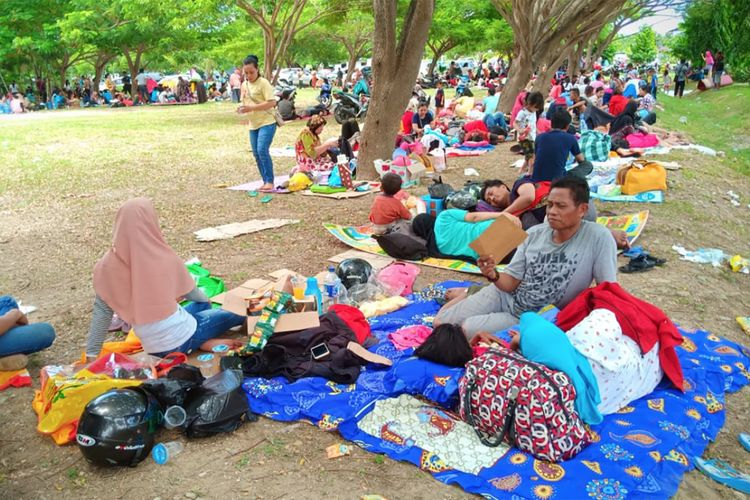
{"x":210,"y":324}
{"x":495,"y":120}
{"x":25,"y":339}
{"x":260,"y":141}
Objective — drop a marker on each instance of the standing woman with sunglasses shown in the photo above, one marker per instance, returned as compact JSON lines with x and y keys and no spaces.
{"x":258,"y":102}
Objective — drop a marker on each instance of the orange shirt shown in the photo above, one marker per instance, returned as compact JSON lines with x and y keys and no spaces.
{"x":386,"y":209}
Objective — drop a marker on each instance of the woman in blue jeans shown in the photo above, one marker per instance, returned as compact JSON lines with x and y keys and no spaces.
{"x":258,"y":102}
{"x":19,"y":338}
{"x":142,"y":280}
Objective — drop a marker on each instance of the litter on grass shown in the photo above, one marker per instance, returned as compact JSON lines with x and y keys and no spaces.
{"x":228,"y":231}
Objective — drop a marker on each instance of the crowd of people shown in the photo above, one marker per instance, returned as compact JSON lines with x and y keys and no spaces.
{"x":83,"y":92}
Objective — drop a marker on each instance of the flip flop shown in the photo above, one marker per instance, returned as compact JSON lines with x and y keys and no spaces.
{"x":266,"y":198}
{"x":745,"y":440}
{"x":723,"y":473}
{"x":252,"y":194}
{"x":638,"y":264}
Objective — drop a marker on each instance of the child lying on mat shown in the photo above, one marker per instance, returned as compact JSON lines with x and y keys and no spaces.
{"x":387,"y":207}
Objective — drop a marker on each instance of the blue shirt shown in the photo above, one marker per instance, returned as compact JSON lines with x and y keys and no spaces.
{"x":490,"y":103}
{"x":551,"y":154}
{"x":422,"y":122}
{"x":453,"y":234}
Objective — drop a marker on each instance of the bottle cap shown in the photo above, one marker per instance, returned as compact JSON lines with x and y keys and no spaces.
{"x":160,"y":454}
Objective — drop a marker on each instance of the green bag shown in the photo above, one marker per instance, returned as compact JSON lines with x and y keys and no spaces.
{"x":317,"y":188}
{"x":210,"y":285}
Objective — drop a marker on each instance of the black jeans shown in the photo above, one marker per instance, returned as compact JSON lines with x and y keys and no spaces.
{"x":679,"y":88}
{"x":581,"y":170}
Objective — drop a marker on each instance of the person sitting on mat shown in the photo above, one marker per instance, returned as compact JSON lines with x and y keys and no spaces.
{"x":387,"y":207}
{"x":18,"y":337}
{"x":558,"y":260}
{"x":142,"y":280}
{"x":312,"y":154}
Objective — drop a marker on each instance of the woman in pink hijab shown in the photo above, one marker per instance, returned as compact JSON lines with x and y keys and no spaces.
{"x":142,"y":280}
{"x":709,"y":60}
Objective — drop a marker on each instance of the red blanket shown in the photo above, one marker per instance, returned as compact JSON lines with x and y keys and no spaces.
{"x":646,"y":324}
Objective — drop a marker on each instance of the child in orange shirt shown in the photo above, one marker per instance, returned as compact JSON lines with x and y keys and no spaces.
{"x":387,"y":207}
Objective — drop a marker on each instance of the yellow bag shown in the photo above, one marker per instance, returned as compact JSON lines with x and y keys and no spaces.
{"x":299,"y":181}
{"x":641,"y":176}
{"x":66,"y":390}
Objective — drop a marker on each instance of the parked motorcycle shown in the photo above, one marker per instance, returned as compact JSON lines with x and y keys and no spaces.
{"x":289,"y":90}
{"x":325,"y":98}
{"x":348,"y":106}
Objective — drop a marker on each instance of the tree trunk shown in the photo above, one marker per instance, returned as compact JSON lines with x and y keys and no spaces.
{"x":134,"y":64}
{"x":519,"y":73}
{"x":433,"y":63}
{"x":269,"y":52}
{"x":101,"y":62}
{"x":395,"y":63}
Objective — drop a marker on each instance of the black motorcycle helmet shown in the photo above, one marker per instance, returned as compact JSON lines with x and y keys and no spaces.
{"x":118,"y":427}
{"x":354,"y":272}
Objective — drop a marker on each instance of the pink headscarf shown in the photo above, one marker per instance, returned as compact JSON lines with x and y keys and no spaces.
{"x":517,"y":106}
{"x":140,"y":277}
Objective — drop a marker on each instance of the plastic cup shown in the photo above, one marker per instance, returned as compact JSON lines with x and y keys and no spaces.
{"x":298,"y":287}
{"x":206,"y":364}
{"x":175,"y":416}
{"x":163,"y":452}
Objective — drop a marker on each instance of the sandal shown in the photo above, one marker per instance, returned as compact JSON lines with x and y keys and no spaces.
{"x":266,"y":198}
{"x":723,"y":473}
{"x":638,"y":264}
{"x":656,"y":260}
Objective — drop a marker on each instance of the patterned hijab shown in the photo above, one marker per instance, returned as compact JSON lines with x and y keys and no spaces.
{"x":314,"y":122}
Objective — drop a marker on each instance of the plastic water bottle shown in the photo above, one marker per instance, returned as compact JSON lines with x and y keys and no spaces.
{"x":331,"y":286}
{"x":163,"y":452}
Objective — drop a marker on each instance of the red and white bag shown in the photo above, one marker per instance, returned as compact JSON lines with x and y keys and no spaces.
{"x":505,"y":396}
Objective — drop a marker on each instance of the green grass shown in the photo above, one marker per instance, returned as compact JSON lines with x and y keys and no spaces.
{"x":715,"y":118}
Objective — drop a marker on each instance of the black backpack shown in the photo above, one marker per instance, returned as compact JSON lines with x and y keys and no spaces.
{"x":439,"y":189}
{"x":402,"y":246}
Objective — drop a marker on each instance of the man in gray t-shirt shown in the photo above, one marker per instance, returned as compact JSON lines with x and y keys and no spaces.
{"x":559,"y":260}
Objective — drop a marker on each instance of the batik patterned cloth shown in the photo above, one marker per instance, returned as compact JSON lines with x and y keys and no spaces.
{"x":640,"y":452}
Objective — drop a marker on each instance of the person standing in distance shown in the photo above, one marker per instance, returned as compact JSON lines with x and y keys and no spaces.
{"x":257,"y":102}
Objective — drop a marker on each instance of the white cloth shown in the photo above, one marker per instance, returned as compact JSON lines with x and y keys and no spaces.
{"x":168,"y":333}
{"x":623,"y":374}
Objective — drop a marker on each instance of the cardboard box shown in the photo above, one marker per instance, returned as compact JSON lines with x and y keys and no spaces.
{"x":236,"y":301}
{"x":499,"y":239}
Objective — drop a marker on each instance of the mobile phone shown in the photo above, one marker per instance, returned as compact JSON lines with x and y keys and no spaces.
{"x":320,"y":351}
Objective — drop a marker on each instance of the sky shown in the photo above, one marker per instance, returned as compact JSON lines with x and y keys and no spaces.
{"x":662,"y":23}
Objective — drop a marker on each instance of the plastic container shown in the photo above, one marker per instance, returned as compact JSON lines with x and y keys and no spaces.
{"x":206,"y":363}
{"x":164,"y":452}
{"x":434,"y":205}
{"x":298,"y":287}
{"x":313,"y":290}
{"x":174,"y":416}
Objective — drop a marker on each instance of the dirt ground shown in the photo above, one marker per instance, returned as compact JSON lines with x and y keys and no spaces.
{"x":56,"y":221}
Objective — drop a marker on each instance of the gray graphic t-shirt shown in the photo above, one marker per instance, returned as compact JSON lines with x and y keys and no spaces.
{"x":556,"y":274}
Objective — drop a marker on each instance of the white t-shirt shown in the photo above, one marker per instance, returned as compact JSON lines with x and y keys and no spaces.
{"x":140,"y":79}
{"x":167,"y":334}
{"x":526,"y":118}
